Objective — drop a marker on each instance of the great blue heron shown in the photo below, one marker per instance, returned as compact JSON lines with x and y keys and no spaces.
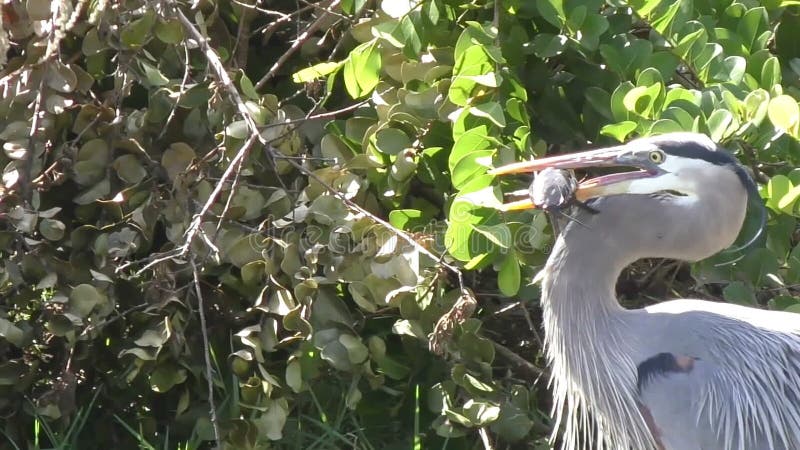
{"x":679,"y":375}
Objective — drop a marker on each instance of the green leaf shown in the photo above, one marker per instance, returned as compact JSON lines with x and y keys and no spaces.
{"x":770,"y":73}
{"x":740,"y":293}
{"x":787,"y":201}
{"x":777,"y":187}
{"x":169,"y":31}
{"x":83,"y":298}
{"x":664,"y":22}
{"x":784,"y":113}
{"x":461,"y":239}
{"x":353,"y":6}
{"x":548,"y":45}
{"x":153,"y":76}
{"x":472,"y":140}
{"x":663,"y":126}
{"x":356,"y":350}
{"x":619,"y":131}
{"x":732,"y":70}
{"x":92,"y":162}
{"x":61,"y":78}
{"x":508,"y":278}
{"x":362,"y":69}
{"x":391,"y":141}
{"x":166,"y":376}
{"x":176,"y":159}
{"x":247,"y":87}
{"x":600,"y":100}
{"x":618,"y":109}
{"x":407,"y":219}
{"x":513,"y":424}
{"x":787,"y":36}
{"x":51,"y":229}
{"x":490,"y":110}
{"x":758,"y":265}
{"x":516,"y":110}
{"x":411,"y":36}
{"x":552,"y":11}
{"x":481,"y":193}
{"x":135,"y":34}
{"x":594,"y":26}
{"x":38,"y":9}
{"x":471,"y":166}
{"x":316,"y":71}
{"x":11,"y":333}
{"x":756,"y":106}
{"x":129,"y":169}
{"x":664,"y":62}
{"x":499,"y":235}
{"x":641,"y":99}
{"x":752,"y":24}
{"x":237,"y":130}
{"x":718,"y":124}
{"x":784,"y":302}
{"x":480,"y":413}
{"x":576,"y":18}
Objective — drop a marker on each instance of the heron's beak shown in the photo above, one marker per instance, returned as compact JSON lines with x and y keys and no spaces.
{"x":617,"y":183}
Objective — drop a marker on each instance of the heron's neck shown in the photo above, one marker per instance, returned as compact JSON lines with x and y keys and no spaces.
{"x":592,"y":343}
{"x":579,"y":303}
{"x":580,"y":277}
{"x":588,"y":345}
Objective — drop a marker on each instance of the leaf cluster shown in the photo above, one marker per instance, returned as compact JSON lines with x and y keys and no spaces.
{"x":272,"y":211}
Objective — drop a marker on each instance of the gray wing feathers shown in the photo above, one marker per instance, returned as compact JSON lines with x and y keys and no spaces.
{"x":743,"y":393}
{"x":672,"y":399}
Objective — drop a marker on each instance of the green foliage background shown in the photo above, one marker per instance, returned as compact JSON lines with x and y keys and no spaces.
{"x":274,"y":210}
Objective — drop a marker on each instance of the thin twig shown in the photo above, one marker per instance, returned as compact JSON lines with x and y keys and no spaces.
{"x":206,"y":354}
{"x":527,"y":315}
{"x":312,"y":28}
{"x":194,"y":226}
{"x":696,"y":82}
{"x":518,"y":361}
{"x":219,"y":69}
{"x":268,"y":29}
{"x":399,"y":233}
{"x":181,"y":92}
{"x":269,"y":12}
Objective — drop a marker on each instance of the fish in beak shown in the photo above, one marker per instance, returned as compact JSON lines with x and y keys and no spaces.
{"x":644,"y":158}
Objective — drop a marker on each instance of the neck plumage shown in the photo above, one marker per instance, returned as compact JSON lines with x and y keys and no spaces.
{"x":588,"y":342}
{"x":593,"y":374}
{"x":589,"y":338}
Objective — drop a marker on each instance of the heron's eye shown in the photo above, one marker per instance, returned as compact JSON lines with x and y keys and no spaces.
{"x":657,"y":156}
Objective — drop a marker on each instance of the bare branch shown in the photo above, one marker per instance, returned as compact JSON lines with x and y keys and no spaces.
{"x":207,"y":354}
{"x":315,"y":25}
{"x":518,"y":361}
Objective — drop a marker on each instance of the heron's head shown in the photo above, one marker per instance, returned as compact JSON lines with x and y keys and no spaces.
{"x":680,"y":164}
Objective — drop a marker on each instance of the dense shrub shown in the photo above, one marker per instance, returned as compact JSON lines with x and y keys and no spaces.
{"x":269,"y":225}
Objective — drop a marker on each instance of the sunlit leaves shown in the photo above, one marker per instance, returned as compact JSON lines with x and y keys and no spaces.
{"x":362,"y":69}
{"x":619,"y":131}
{"x":508,"y":277}
{"x":314,"y":72}
{"x":782,"y":194}
{"x":391,"y":141}
{"x":784,"y":113}
{"x":306,"y":297}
